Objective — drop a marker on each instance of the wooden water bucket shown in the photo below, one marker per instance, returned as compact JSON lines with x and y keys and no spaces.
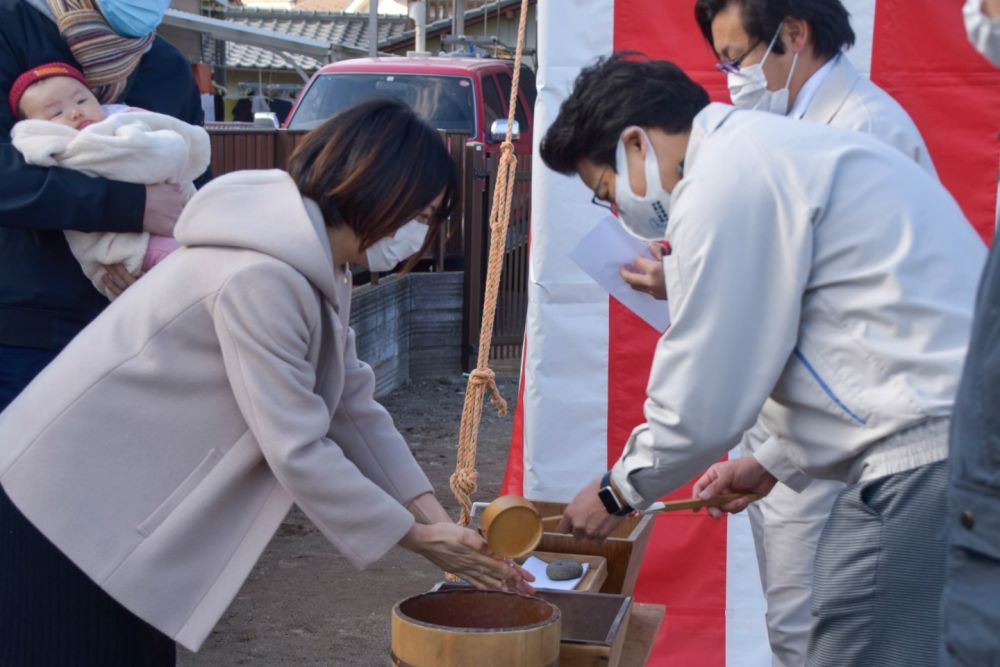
{"x":593,"y":625}
{"x":473,"y":628}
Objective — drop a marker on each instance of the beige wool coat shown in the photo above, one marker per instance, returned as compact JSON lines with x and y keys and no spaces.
{"x":161,"y":450}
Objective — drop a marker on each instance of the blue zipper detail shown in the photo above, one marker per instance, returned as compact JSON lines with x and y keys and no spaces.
{"x":829,"y":392}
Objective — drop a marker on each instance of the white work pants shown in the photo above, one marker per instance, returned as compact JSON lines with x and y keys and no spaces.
{"x":786,"y":530}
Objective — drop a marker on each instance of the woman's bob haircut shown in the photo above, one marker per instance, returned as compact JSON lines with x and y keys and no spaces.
{"x":374,"y":167}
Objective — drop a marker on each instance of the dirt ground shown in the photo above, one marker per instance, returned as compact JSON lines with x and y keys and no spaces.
{"x":303,"y":604}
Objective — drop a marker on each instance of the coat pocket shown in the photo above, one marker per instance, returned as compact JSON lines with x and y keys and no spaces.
{"x":157,"y":516}
{"x":823,"y":385}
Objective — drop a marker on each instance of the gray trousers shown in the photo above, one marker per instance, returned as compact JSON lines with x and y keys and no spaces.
{"x":879,"y":573}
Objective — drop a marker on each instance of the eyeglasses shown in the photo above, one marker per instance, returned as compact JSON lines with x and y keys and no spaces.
{"x":733,"y":66}
{"x":603,"y":204}
{"x":597,"y":201}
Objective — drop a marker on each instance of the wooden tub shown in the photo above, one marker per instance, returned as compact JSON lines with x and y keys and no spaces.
{"x":462,"y":626}
{"x":593,"y":625}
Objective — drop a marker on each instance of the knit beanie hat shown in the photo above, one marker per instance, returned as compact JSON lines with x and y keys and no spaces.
{"x":36,"y":74}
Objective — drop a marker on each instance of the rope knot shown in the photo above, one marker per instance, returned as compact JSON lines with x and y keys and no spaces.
{"x":463,"y":482}
{"x":507,"y":147}
{"x":485,"y":378}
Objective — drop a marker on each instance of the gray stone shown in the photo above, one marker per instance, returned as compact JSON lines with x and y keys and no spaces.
{"x":561,"y":570}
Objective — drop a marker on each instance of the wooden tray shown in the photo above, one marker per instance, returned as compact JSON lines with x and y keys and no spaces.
{"x":597,"y":573}
{"x":623,"y":550}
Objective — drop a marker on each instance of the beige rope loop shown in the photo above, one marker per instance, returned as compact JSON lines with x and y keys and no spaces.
{"x":487,"y":377}
{"x":463,"y":480}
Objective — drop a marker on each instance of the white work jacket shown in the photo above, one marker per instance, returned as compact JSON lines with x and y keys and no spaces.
{"x":817,"y":277}
{"x":847,"y":100}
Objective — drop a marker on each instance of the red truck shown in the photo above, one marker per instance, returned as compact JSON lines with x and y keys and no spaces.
{"x":452,"y":93}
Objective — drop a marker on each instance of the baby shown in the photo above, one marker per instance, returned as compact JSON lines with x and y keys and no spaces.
{"x":61,"y":124}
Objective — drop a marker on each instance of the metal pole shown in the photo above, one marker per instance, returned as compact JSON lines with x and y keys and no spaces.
{"x":372,"y":28}
{"x":418,"y":11}
{"x":458,"y":18}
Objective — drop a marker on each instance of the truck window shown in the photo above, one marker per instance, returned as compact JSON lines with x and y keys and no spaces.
{"x":446,"y":102}
{"x":522,"y":118}
{"x":492,"y":106}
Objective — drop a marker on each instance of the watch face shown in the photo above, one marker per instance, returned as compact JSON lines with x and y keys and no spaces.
{"x":607,"y":497}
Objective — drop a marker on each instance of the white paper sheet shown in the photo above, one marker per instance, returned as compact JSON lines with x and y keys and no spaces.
{"x":537,"y":566}
{"x":602,"y":252}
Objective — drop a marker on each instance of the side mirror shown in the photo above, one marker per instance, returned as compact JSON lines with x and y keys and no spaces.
{"x":267,"y":119}
{"x":498,"y":130}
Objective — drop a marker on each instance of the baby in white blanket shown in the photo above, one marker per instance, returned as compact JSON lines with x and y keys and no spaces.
{"x":64,"y":125}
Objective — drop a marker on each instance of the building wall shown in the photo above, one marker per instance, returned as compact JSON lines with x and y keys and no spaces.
{"x":189,"y":42}
{"x":503,"y":28}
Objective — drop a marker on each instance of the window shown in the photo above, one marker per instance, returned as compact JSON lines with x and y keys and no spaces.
{"x":492,"y":105}
{"x":446,"y":102}
{"x":519,"y":115}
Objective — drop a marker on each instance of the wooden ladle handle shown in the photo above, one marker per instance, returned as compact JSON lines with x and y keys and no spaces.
{"x":691,"y":504}
{"x":697,"y":503}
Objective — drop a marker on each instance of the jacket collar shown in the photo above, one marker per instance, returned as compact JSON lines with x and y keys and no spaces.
{"x":708,"y":120}
{"x":834,"y":91}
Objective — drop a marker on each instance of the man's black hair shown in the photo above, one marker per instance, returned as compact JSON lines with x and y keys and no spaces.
{"x":829,"y":20}
{"x":611,"y":95}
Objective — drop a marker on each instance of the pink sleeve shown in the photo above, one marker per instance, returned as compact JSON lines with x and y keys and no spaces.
{"x":159,"y":247}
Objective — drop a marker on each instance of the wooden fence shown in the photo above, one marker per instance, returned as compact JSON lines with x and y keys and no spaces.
{"x":464,"y":243}
{"x":480,"y":171}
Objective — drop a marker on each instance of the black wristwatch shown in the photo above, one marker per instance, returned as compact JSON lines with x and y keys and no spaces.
{"x":611,"y":502}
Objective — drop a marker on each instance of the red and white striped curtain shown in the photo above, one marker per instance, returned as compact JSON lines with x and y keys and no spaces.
{"x":587,"y":357}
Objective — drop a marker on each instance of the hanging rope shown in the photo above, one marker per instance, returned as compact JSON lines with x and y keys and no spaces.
{"x":482,"y":379}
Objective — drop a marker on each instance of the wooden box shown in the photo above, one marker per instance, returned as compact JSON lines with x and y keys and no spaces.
{"x":623,"y":550}
{"x":596,"y":575}
{"x":593,"y":625}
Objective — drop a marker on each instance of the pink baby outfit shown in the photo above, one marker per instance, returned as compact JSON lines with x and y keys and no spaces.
{"x":129,"y":145}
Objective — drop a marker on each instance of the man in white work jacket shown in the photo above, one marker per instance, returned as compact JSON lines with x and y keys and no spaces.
{"x":788,"y":58}
{"x":798,"y":47}
{"x":787,"y":301}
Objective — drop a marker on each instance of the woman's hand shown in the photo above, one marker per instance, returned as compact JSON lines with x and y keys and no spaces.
{"x":465,"y":553}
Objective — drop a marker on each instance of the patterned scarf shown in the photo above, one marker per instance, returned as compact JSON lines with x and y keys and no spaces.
{"x":106,"y":58}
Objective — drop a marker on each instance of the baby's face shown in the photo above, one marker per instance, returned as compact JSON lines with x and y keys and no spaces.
{"x":63,"y":100}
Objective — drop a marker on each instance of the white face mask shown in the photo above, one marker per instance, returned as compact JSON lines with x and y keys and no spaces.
{"x":748,"y":87}
{"x":645,"y":217}
{"x":385,"y":254}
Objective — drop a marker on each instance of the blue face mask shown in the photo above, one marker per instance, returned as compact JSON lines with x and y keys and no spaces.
{"x":133,"y":18}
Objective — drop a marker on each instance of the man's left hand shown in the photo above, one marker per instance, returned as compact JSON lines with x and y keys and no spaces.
{"x":587,"y":518}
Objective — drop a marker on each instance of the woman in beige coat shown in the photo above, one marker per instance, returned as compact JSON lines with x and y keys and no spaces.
{"x":161,"y":450}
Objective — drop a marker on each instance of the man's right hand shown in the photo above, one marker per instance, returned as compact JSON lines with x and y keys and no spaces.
{"x":645,"y":274}
{"x":164,"y":203}
{"x":740,"y":475}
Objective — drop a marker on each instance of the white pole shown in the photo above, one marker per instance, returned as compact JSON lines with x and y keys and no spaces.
{"x":372,"y":28}
{"x":418,"y":12}
{"x":458,"y":18}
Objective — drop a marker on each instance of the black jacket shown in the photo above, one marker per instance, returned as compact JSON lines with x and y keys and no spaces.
{"x":45,"y":299}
